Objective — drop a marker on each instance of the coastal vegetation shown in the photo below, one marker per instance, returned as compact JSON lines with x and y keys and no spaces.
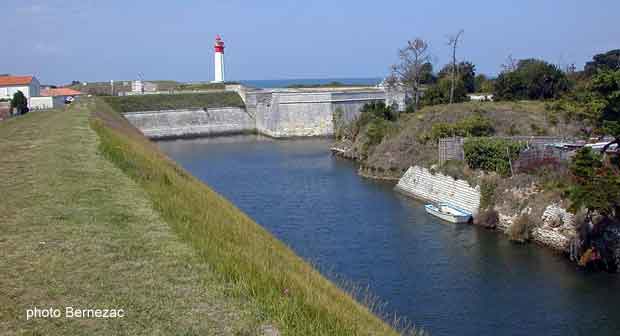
{"x":492,"y":154}
{"x":531,"y":97}
{"x":332,"y":84}
{"x":200,"y":86}
{"x":174,"y":101}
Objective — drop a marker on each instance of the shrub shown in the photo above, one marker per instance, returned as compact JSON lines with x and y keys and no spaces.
{"x":492,"y":154}
{"x":376,"y":131}
{"x":521,"y":228}
{"x":532,"y":79}
{"x":488,"y":218}
{"x":472,"y":126}
{"x":379,"y":110}
{"x":487,"y":193}
{"x":19,"y":102}
{"x":454,"y":169}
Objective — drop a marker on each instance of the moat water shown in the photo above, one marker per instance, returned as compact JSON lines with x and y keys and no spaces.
{"x":449,"y":279}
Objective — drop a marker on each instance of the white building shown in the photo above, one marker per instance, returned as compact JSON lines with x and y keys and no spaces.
{"x":480,"y":96}
{"x":53,"y":98}
{"x":28,"y":85}
{"x":139,"y":86}
{"x":219,"y":60}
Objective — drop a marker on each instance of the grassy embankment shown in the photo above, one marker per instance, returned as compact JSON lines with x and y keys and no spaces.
{"x":76,"y":231}
{"x":289,"y":291}
{"x":174,"y":101}
{"x":148,"y":238}
{"x":408,"y":141}
{"x":334,"y":84}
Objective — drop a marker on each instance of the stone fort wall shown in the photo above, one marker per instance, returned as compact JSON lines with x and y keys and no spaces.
{"x":192,"y":122}
{"x":277,"y":113}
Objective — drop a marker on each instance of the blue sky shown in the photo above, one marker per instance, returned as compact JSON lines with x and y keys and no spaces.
{"x":59,"y":41}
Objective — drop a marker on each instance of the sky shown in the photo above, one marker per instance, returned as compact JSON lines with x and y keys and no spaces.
{"x":61,"y":41}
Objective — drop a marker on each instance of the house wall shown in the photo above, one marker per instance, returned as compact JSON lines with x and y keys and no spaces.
{"x":5,"y":110}
{"x":46,"y":103}
{"x":31,"y":90}
{"x":7,"y":92}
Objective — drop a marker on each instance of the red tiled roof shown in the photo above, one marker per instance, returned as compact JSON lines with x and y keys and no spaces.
{"x":60,"y":92}
{"x":15,"y":80}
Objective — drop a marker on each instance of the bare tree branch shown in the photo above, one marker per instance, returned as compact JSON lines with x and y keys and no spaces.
{"x":453,"y":42}
{"x":409,"y":69}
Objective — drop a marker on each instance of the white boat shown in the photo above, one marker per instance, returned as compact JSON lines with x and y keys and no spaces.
{"x":448,"y":212}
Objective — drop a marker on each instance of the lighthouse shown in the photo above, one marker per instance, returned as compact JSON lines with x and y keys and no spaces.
{"x":219,"y":59}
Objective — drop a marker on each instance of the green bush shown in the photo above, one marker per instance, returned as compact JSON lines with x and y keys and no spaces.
{"x":379,"y":110}
{"x":376,"y":131}
{"x":491,"y":154}
{"x":488,"y":188}
{"x":476,"y":126}
{"x":19,"y":102}
{"x":532,"y":79}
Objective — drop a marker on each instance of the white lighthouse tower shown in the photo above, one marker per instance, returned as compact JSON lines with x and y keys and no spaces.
{"x":219,"y":59}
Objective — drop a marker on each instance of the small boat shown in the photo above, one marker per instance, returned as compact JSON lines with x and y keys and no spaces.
{"x":449,"y":212}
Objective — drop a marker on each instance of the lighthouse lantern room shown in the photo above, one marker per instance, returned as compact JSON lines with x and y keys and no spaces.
{"x":219,"y":59}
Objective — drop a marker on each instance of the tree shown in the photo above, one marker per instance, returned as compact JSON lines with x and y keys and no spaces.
{"x":426,"y":74}
{"x":413,"y":64}
{"x":595,"y":186}
{"x":603,"y":62}
{"x":440,"y":92}
{"x":19,"y":102}
{"x":602,"y":103}
{"x":453,"y":42}
{"x":483,"y":84}
{"x":466,"y":72}
{"x":531,"y":79}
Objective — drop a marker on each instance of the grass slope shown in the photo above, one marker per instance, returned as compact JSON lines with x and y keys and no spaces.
{"x":289,"y":291}
{"x":76,"y":231}
{"x":404,"y":147}
{"x":174,"y":101}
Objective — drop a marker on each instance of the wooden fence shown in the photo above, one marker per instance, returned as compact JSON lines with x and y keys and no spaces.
{"x":452,"y":148}
{"x":538,"y":156}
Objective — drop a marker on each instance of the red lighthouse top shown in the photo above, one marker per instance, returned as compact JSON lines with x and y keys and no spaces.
{"x":219,"y":44}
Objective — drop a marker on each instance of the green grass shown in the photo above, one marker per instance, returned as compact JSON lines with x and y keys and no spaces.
{"x":174,"y":101}
{"x":412,"y":144}
{"x":201,"y":86}
{"x":289,"y":292}
{"x":76,"y":231}
{"x":334,"y":84}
